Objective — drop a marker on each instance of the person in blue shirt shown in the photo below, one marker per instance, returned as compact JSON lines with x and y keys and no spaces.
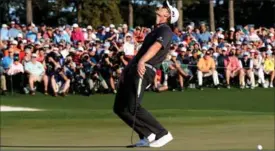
{"x":204,"y":36}
{"x":31,"y":33}
{"x":61,"y":35}
{"x":13,"y":32}
{"x":4,"y":33}
{"x":7,"y":60}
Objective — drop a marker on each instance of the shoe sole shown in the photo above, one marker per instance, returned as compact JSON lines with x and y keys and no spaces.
{"x":169,"y":138}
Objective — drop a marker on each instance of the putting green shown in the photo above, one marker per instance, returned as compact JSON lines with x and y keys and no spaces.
{"x":199,"y":120}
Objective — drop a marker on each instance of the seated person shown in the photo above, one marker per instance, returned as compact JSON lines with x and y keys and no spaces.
{"x":207,"y":67}
{"x":232,"y":68}
{"x":35,"y":71}
{"x":16,"y":72}
{"x":246,"y":70}
{"x":269,"y":68}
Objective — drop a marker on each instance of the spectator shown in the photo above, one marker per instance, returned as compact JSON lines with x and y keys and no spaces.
{"x":77,"y":34}
{"x":13,"y":31}
{"x":35,"y":71}
{"x":3,"y":86}
{"x":4,"y":32}
{"x":269,"y":68}
{"x":232,"y":68}
{"x":129,"y":47}
{"x":16,"y":72}
{"x":247,"y":65}
{"x":206,"y":67}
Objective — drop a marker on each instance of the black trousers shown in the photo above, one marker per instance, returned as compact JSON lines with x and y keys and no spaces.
{"x":127,"y":104}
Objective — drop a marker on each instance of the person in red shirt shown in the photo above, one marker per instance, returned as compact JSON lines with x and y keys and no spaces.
{"x":77,"y":34}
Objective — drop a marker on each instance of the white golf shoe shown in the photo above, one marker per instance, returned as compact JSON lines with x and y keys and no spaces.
{"x":145,"y":142}
{"x":162,"y":141}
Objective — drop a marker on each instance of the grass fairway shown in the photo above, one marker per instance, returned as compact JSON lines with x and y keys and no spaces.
{"x":199,"y":120}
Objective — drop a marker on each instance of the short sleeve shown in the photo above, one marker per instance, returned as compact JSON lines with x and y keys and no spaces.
{"x":164,"y":36}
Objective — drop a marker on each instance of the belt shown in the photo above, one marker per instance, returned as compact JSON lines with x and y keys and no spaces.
{"x":150,"y":67}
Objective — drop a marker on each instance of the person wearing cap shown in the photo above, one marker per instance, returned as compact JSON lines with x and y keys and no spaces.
{"x":204,"y":35}
{"x":258,"y":68}
{"x":129,"y":47}
{"x":232,"y":68}
{"x":77,"y":34}
{"x":139,"y":74}
{"x":221,"y":61}
{"x":185,"y":73}
{"x":15,"y":72}
{"x":207,"y":67}
{"x":3,"y":83}
{"x":13,"y":48}
{"x":13,"y":31}
{"x":35,"y":71}
{"x":269,"y":67}
{"x":246,"y":70}
{"x":4,"y":33}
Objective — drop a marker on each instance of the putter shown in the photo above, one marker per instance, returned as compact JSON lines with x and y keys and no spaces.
{"x":134,"y":122}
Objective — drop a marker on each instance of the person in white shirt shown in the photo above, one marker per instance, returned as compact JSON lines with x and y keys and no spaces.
{"x":258,"y":67}
{"x":16,"y":73}
{"x":246,"y":64}
{"x":129,"y":46}
{"x":35,"y":71}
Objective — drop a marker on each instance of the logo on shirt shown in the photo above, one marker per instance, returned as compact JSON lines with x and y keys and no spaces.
{"x":160,"y":39}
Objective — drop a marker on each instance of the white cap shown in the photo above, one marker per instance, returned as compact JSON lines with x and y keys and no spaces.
{"x":128,"y":34}
{"x":174,"y":13}
{"x":80,"y":49}
{"x":271,"y":34}
{"x":37,"y":43}
{"x":115,"y":31}
{"x":12,"y":22}
{"x":89,"y":27}
{"x":107,"y":29}
{"x":238,"y":43}
{"x":224,"y":48}
{"x":221,"y":36}
{"x":46,"y":46}
{"x":34,"y":55}
{"x":204,"y":48}
{"x":252,"y":51}
{"x":269,"y":47}
{"x":84,"y":29}
{"x":20,"y":35}
{"x":4,"y":25}
{"x":174,"y":54}
{"x":75,"y":25}
{"x":183,"y":49}
{"x":246,"y":54}
{"x":24,"y":41}
{"x":112,"y":26}
{"x":232,"y":29}
{"x":124,"y":26}
{"x":14,"y":42}
{"x":106,"y":51}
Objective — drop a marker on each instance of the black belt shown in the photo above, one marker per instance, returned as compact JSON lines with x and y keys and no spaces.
{"x":150,"y":67}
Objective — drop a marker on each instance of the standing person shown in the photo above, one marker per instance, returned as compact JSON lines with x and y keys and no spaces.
{"x":139,"y":74}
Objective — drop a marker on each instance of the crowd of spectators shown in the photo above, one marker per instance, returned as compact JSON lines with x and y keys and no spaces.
{"x":87,"y":60}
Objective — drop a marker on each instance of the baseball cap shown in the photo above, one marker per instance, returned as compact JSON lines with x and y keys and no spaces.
{"x":75,"y":25}
{"x":14,"y":42}
{"x":106,"y":51}
{"x":204,"y":48}
{"x":224,"y":49}
{"x":34,"y":55}
{"x":4,"y":25}
{"x":20,"y":35}
{"x":183,"y":49}
{"x":246,"y":54}
{"x":232,"y":29}
{"x":174,"y":54}
{"x":89,"y":27}
{"x":112,"y":26}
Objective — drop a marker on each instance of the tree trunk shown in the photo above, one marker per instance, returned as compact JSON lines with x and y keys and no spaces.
{"x":79,"y":17}
{"x":29,"y":11}
{"x":211,"y":15}
{"x":180,"y":21}
{"x":131,"y":15}
{"x":231,"y":14}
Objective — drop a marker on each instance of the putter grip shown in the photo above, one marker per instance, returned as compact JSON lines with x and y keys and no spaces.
{"x":139,"y":87}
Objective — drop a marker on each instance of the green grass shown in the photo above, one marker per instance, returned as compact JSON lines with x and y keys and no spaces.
{"x":198,"y":120}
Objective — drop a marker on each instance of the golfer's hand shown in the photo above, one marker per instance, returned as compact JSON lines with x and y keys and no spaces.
{"x":141,"y":69}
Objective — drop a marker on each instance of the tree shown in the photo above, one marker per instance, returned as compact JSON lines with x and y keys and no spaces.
{"x":29,"y":11}
{"x":131,"y":14}
{"x":231,"y":13}
{"x":211,"y":15}
{"x":179,"y":6}
{"x":96,"y":13}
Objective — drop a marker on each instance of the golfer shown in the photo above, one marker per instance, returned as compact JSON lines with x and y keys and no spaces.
{"x":139,"y":74}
